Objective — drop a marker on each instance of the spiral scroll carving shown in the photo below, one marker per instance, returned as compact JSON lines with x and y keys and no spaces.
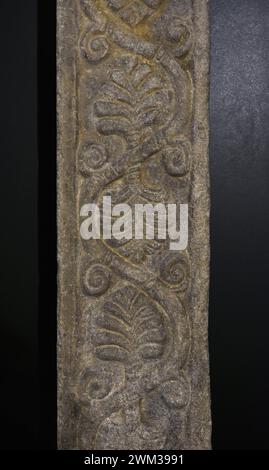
{"x":135,"y":145}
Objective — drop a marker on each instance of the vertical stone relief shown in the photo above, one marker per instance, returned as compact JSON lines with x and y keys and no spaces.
{"x":132,"y":315}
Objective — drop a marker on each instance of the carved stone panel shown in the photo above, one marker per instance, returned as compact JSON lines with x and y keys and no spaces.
{"x":132,"y":314}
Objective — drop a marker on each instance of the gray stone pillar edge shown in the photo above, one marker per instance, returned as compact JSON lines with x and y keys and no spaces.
{"x":133,"y":369}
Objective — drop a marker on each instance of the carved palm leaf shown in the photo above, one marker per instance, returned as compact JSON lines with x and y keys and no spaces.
{"x":133,"y":11}
{"x":132,"y":102}
{"x":129,"y":328}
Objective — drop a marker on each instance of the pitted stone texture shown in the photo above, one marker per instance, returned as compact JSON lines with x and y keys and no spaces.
{"x":132,"y":315}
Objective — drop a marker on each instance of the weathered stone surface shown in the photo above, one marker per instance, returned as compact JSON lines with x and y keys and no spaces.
{"x":132,"y":318}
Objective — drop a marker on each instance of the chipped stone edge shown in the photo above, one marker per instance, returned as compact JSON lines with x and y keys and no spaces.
{"x":66,"y":211}
{"x":200,"y":415}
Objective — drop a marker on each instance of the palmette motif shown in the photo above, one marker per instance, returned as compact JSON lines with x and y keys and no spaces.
{"x":134,"y":75}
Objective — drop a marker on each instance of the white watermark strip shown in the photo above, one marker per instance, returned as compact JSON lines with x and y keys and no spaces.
{"x":143,"y":221}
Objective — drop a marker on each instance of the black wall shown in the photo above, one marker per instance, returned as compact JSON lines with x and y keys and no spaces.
{"x":19,"y":229}
{"x":239,"y":156}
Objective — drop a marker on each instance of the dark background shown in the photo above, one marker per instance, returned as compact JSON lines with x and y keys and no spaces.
{"x":239,"y":156}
